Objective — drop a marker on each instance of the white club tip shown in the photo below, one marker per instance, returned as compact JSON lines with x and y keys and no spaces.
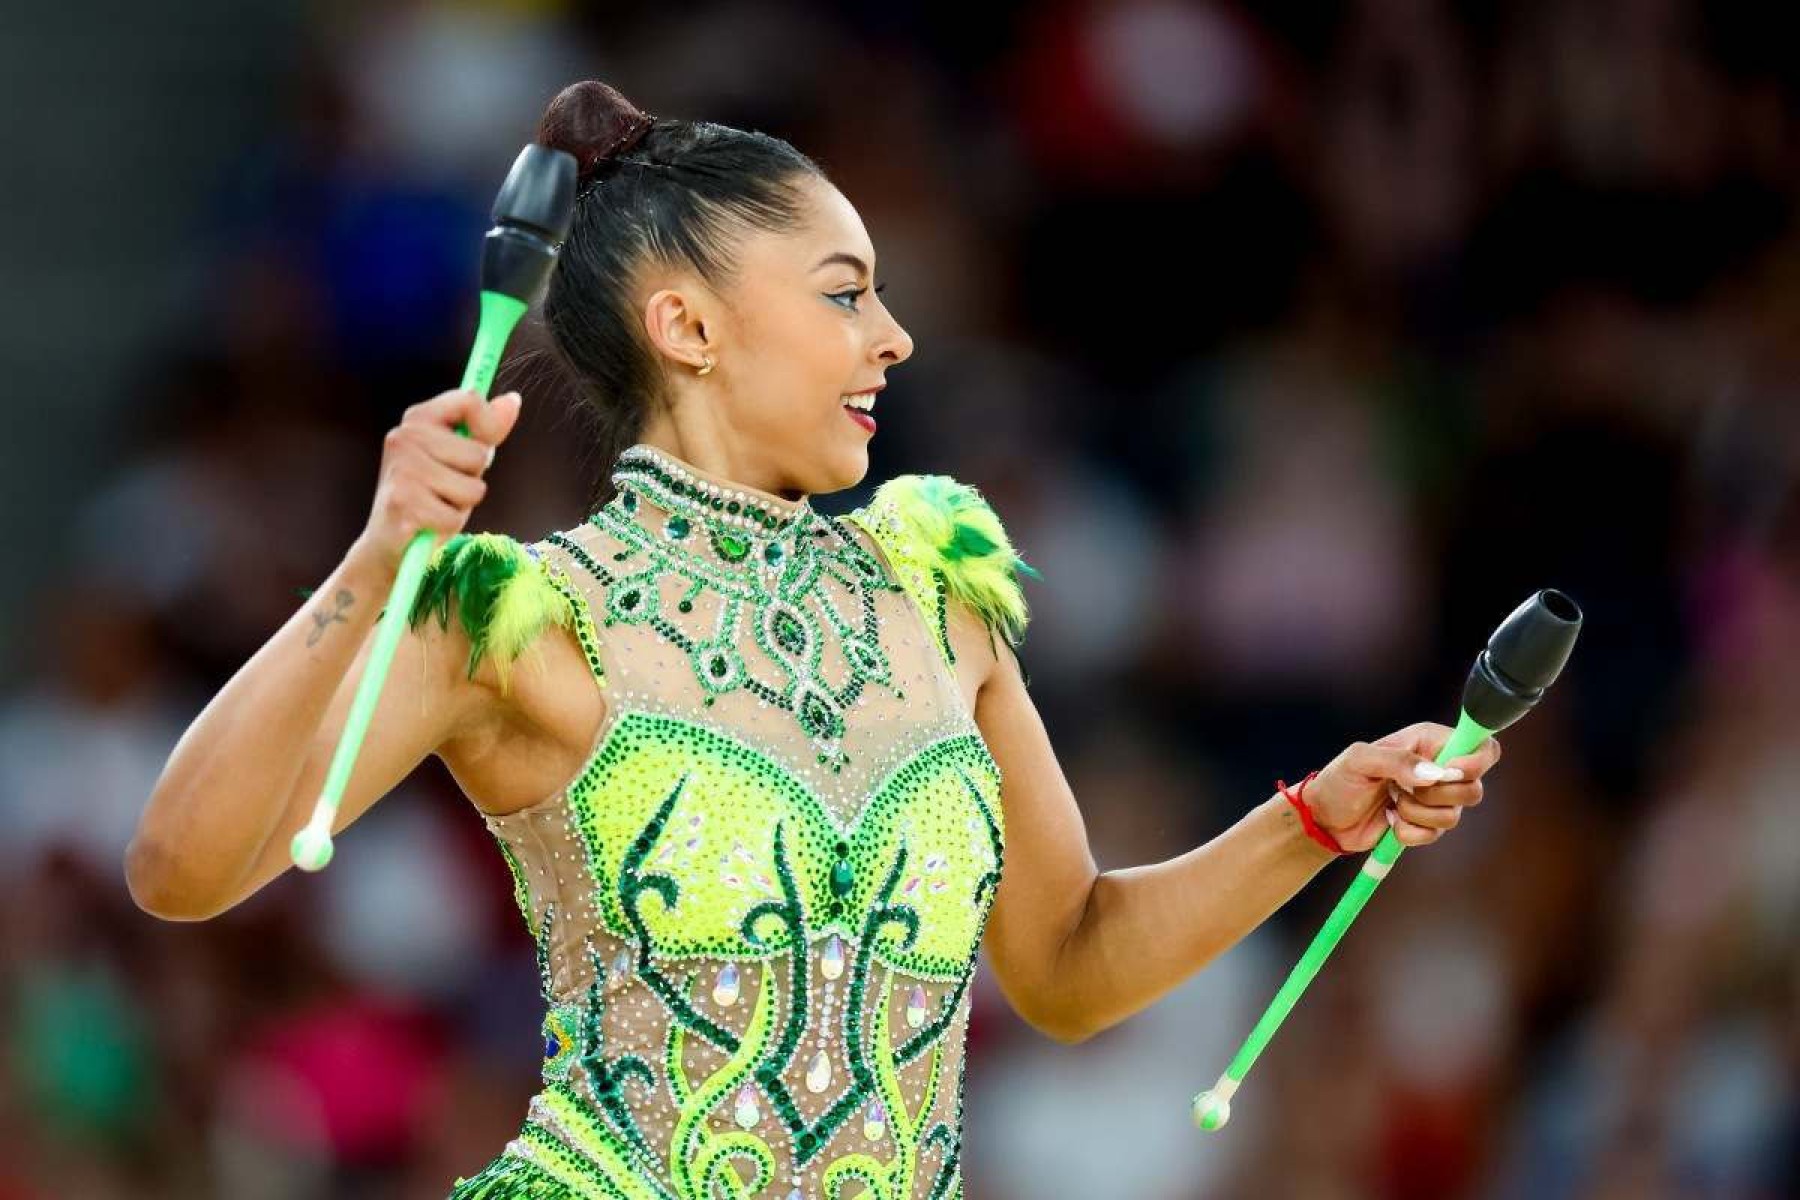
{"x":311,"y":849}
{"x":1210,"y":1112}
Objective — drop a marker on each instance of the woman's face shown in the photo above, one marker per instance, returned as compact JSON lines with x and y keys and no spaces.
{"x":801,"y":331}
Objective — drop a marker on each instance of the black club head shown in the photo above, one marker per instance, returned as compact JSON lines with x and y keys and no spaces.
{"x":532,"y":215}
{"x":1522,"y":659}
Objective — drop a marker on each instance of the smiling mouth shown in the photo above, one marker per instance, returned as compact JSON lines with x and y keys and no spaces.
{"x":858,"y":407}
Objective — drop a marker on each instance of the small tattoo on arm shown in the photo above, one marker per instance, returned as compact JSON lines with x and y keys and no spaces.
{"x":322,"y":619}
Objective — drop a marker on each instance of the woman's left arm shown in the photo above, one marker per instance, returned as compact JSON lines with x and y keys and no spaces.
{"x":1076,"y":950}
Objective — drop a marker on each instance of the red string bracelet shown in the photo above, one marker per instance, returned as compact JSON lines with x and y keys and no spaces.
{"x":1297,"y":798}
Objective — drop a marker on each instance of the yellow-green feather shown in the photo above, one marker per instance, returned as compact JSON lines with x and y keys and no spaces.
{"x":933,"y":527}
{"x":501,"y":594}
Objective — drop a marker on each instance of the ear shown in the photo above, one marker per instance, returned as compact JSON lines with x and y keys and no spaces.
{"x":675,"y":320}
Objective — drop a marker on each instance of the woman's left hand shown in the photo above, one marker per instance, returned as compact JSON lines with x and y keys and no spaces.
{"x":1395,"y":781}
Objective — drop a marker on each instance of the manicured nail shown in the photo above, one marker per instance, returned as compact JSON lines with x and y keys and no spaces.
{"x":1430,"y":772}
{"x":490,"y":458}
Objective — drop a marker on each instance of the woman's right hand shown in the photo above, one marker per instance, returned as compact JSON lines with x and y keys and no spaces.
{"x":431,"y":476}
{"x":1396,"y":783}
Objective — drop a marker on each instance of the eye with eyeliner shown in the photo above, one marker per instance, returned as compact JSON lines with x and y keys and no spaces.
{"x":852,"y":294}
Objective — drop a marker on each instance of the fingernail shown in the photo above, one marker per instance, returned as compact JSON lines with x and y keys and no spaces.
{"x":490,"y":457}
{"x":1430,"y":772}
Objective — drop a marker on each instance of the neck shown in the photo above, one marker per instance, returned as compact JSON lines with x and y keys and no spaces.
{"x":708,"y":456}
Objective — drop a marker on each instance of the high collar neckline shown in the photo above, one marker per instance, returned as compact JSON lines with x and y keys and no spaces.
{"x":673,"y":484}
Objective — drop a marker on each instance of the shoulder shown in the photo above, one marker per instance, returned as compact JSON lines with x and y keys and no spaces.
{"x":946,"y":544}
{"x":501,"y":592}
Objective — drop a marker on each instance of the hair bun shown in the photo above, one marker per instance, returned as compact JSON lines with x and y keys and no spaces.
{"x":595,"y":123}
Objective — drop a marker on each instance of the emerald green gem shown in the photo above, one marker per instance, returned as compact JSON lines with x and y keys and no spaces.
{"x":789,"y":634}
{"x":773,"y":553}
{"x":863,"y":658}
{"x":731,"y":546}
{"x":678,"y":527}
{"x":818,"y":717}
{"x":718,"y":669}
{"x":843,"y":878}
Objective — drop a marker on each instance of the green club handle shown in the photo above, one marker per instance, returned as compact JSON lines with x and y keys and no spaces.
{"x":311,"y":848}
{"x":1212,"y":1108}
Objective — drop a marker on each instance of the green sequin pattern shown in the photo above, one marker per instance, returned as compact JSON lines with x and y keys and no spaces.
{"x":757,"y":905}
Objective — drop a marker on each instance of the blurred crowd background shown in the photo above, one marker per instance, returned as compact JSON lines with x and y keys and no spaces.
{"x":1296,"y":344}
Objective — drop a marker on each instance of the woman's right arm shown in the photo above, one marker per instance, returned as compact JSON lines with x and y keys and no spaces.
{"x":245,"y":776}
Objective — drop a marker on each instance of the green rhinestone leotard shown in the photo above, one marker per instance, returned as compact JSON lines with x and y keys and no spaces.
{"x":758,"y":904}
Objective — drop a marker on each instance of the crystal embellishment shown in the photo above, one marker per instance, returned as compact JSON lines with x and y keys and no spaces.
{"x":818,"y":1074}
{"x":725,"y":991}
{"x":915,"y":1008}
{"x":746,"y":1112}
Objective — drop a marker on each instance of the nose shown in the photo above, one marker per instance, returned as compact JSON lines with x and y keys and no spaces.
{"x":896,"y":346}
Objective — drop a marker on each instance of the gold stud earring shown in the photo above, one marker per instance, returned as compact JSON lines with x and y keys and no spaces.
{"x":707,"y":369}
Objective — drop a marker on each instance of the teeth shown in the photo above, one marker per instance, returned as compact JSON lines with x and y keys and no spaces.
{"x":863,"y":401}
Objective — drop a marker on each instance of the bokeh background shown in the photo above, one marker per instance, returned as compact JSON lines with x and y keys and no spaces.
{"x":1295,"y":342}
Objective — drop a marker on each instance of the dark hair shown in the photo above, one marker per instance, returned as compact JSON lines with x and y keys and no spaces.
{"x":653,"y":189}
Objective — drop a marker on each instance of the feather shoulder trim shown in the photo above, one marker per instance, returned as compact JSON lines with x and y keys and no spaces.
{"x":502,"y":594}
{"x":946,"y":542}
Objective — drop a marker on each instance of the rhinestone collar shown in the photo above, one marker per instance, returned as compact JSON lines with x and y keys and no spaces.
{"x":681,"y":488}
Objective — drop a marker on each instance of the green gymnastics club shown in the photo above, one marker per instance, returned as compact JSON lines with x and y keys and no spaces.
{"x":1522,"y":659}
{"x":531,"y":215}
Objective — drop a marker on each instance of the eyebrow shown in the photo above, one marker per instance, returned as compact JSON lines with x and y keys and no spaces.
{"x":849,"y":260}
